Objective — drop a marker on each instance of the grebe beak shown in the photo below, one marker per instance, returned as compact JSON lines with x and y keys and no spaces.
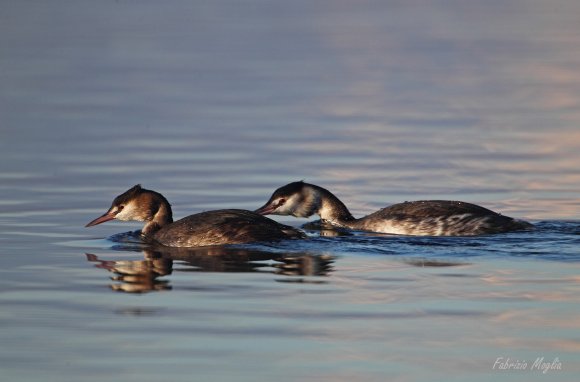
{"x":266,"y":209}
{"x":101,"y":219}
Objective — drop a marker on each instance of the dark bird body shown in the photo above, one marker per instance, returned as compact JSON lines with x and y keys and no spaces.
{"x":223,"y":227}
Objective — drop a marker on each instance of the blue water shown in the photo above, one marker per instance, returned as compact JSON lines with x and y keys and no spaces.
{"x":217,"y":103}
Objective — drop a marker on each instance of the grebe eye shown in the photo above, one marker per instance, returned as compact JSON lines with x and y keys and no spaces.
{"x":281,"y":201}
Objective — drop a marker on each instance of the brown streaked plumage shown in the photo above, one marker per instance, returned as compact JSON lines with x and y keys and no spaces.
{"x":218,"y":227}
{"x":421,"y":218}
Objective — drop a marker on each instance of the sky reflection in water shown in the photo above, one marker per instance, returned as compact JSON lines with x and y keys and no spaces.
{"x":478,"y":103}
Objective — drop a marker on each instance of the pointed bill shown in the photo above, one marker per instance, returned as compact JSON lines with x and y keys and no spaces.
{"x":101,"y":219}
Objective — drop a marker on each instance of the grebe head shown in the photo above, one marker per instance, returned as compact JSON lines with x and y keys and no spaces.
{"x":136,"y":204}
{"x":297,"y":199}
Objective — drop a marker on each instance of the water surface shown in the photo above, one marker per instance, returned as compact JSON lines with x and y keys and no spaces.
{"x":217,"y":103}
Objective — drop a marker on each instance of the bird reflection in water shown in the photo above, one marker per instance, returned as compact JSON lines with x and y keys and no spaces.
{"x":145,"y":275}
{"x":137,"y":276}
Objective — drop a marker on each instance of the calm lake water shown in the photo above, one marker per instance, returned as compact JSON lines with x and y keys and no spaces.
{"x":217,"y":103}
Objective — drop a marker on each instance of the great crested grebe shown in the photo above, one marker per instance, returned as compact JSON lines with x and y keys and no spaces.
{"x":421,"y":218}
{"x":206,"y":228}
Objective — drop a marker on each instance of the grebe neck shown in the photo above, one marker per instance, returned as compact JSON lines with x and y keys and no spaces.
{"x":162,"y":217}
{"x":331,"y":209}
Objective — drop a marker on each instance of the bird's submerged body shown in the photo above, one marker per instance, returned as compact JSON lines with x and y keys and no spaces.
{"x":421,"y":218}
{"x":217,"y":227}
